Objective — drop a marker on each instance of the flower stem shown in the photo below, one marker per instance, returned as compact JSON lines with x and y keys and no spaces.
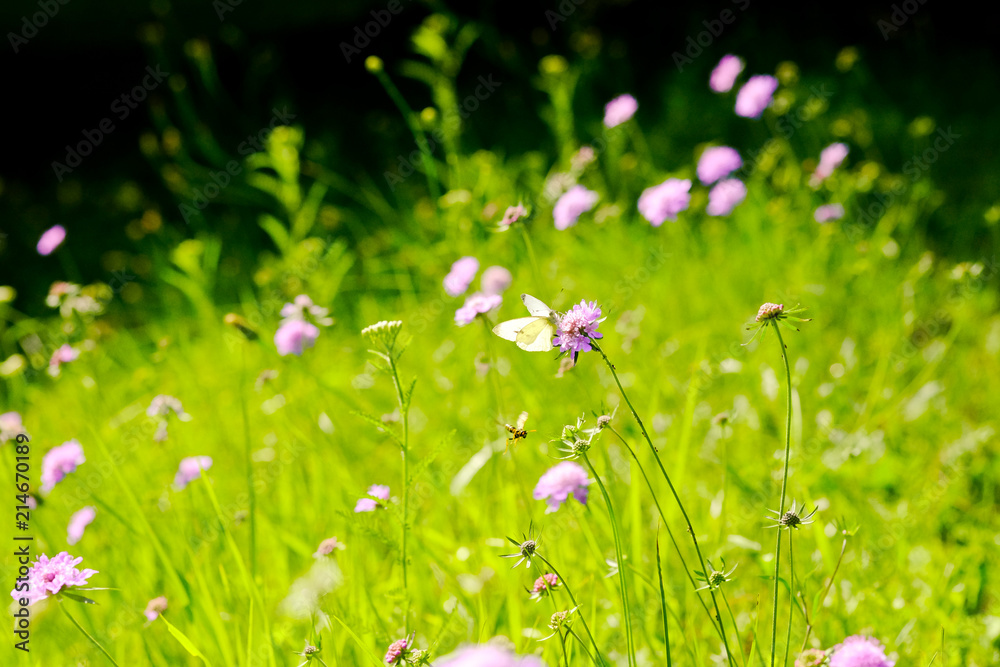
{"x":404,"y":410}
{"x":736,"y":628}
{"x":86,"y":634}
{"x":826,"y":591}
{"x":663,"y":601}
{"x":249,"y":461}
{"x":690,"y":528}
{"x":626,"y":610}
{"x":784,"y":487}
{"x":600,"y":658}
{"x":791,"y":598}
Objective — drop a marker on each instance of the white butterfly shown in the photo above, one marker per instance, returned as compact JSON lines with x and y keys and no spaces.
{"x":534,"y":333}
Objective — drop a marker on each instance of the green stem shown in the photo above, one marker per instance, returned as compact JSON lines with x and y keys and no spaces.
{"x":736,"y":628}
{"x":663,"y":602}
{"x":677,"y":498}
{"x":826,"y":591}
{"x":249,"y":461}
{"x":404,"y":410}
{"x":626,"y":610}
{"x":586,"y":648}
{"x":86,"y":634}
{"x":784,"y":488}
{"x":562,"y":640}
{"x":583,"y":618}
{"x":791,"y":597}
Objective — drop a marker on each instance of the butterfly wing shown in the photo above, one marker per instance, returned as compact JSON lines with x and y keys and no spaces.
{"x":509,"y":330}
{"x":536,"y":336}
{"x":536,"y":307}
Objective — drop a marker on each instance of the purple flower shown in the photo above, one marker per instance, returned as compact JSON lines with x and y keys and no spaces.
{"x":755,"y":95}
{"x":544,"y":584}
{"x":366,"y":505}
{"x":859,"y":651}
{"x":571,"y":205}
{"x":725,"y":196}
{"x":474,"y":305}
{"x":59,"y":462}
{"x":829,"y":212}
{"x":619,"y":110}
{"x":829,"y":159}
{"x":510,"y":216}
{"x":327,"y":546}
{"x":495,"y":280}
{"x":78,"y":523}
{"x":51,"y":240}
{"x":293,"y":336}
{"x":62,"y":355}
{"x":559,"y":482}
{"x":664,"y":201}
{"x":303,"y":304}
{"x":380,"y":491}
{"x":155,"y":607}
{"x":50,"y":576}
{"x":10,"y":426}
{"x":461,"y":275}
{"x":487,"y":656}
{"x":397,"y":651}
{"x":724,"y":75}
{"x":717,"y":162}
{"x":190,"y":470}
{"x":577,"y":327}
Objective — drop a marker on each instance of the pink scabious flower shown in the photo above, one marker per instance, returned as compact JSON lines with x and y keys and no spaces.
{"x":397,"y":651}
{"x":155,"y":607}
{"x":487,"y":656}
{"x":50,"y":576}
{"x":561,"y":481}
{"x":577,"y":327}
{"x":725,"y":196}
{"x":190,"y":470}
{"x":812,"y":657}
{"x":724,"y":75}
{"x":859,"y":651}
{"x":162,"y":405}
{"x":495,"y":280}
{"x":717,"y":162}
{"x":474,"y":305}
{"x":10,"y":426}
{"x":366,"y":505}
{"x":755,"y":95}
{"x":544,"y":585}
{"x":829,"y":212}
{"x":293,"y":336}
{"x":572,"y":205}
{"x":51,"y":240}
{"x":62,"y":355}
{"x":829,"y":159}
{"x":327,"y":547}
{"x":461,"y":275}
{"x":619,"y":110}
{"x":78,"y":523}
{"x":301,"y":305}
{"x":510,"y":216}
{"x":378,"y":492}
{"x":664,"y":201}
{"x":59,"y":462}
{"x":769,"y":311}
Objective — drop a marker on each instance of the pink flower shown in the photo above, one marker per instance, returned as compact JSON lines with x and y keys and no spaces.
{"x":572,"y":205}
{"x":474,"y":305}
{"x":577,"y":327}
{"x":859,"y":651}
{"x":397,"y":651}
{"x":725,"y":196}
{"x":664,"y":201}
{"x":619,"y":110}
{"x":461,"y":275}
{"x":831,"y":158}
{"x":510,"y":216}
{"x":190,"y":470}
{"x":487,"y":656}
{"x":829,"y":212}
{"x":62,"y":355}
{"x":327,"y":546}
{"x":59,"y":462}
{"x":724,"y":75}
{"x":561,"y":481}
{"x":380,"y":491}
{"x":293,"y":336}
{"x":495,"y":280}
{"x":51,"y":240}
{"x":755,"y":95}
{"x":78,"y":523}
{"x":543,"y":584}
{"x":10,"y":426}
{"x":48,"y":577}
{"x":717,"y":162}
{"x":155,"y":607}
{"x":366,"y":505}
{"x":769,"y":311}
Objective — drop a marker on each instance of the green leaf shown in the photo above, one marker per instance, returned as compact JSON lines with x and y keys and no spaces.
{"x":185,"y":642}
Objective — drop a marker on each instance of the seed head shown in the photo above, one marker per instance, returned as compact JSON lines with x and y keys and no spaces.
{"x":526,"y":549}
{"x":383,"y":334}
{"x":792,"y":518}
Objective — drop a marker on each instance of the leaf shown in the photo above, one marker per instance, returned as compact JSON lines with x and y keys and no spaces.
{"x":378,"y":424}
{"x":276,"y":231}
{"x":78,"y":598}
{"x":185,"y":642}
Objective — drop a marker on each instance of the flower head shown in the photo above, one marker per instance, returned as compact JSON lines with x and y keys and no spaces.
{"x":526,"y":549}
{"x":377,"y":493}
{"x":294,"y":336}
{"x":190,"y":470}
{"x":829,"y":212}
{"x":510,"y":216}
{"x":725,"y":196}
{"x":792,"y":518}
{"x":664,"y":201}
{"x":619,"y":110}
{"x":755,"y":95}
{"x":59,"y":462}
{"x":327,"y":547}
{"x":715,"y":578}
{"x":717,"y":162}
{"x":10,"y":426}
{"x":383,"y":334}
{"x":577,"y":327}
{"x":543,"y":585}
{"x":302,"y":305}
{"x":398,"y":651}
{"x":155,"y":607}
{"x":475,"y":305}
{"x":724,"y":75}
{"x":162,"y":405}
{"x":829,"y":159}
{"x":560,"y":482}
{"x":812,"y":657}
{"x":62,"y":355}
{"x":558,"y":621}
{"x":774,"y":313}
{"x":380,"y":491}
{"x":495,"y":280}
{"x":78,"y":523}
{"x":461,"y":275}
{"x":859,"y":651}
{"x":51,"y":239}
{"x":51,"y":576}
{"x":576,"y":201}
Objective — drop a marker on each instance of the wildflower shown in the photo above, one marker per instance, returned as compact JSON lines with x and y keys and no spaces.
{"x":715,"y":578}
{"x":59,"y":462}
{"x":582,"y":158}
{"x":619,"y":110}
{"x":829,"y":212}
{"x":51,"y":239}
{"x":829,"y":159}
{"x":792,"y":518}
{"x":190,"y":470}
{"x":755,"y":95}
{"x":859,"y":651}
{"x":577,"y":327}
{"x":526,"y":549}
{"x":487,"y":656}
{"x":558,"y":621}
{"x":510,"y":216}
{"x":399,"y":650}
{"x":774,"y":313}
{"x":378,"y":492}
{"x":725,"y":196}
{"x":155,"y":607}
{"x":383,"y":334}
{"x":294,"y":336}
{"x":495,"y":280}
{"x":561,"y":481}
{"x":572,"y":205}
{"x":461,"y":275}
{"x":545,"y":583}
{"x":812,"y":657}
{"x":309,"y":651}
{"x":303,"y":304}
{"x":664,"y":201}
{"x":724,"y":75}
{"x":78,"y":523}
{"x":327,"y":546}
{"x":717,"y":162}
{"x":51,"y":576}
{"x":161,"y":406}
{"x":476,"y":304}
{"x":10,"y":426}
{"x":70,"y":298}
{"x":62,"y":355}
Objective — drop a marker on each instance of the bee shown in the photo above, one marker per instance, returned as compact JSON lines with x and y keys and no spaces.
{"x":517,"y":432}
